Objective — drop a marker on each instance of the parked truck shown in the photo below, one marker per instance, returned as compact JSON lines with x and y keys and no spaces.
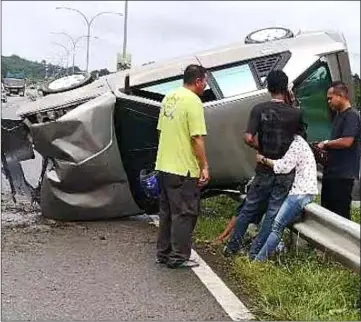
{"x":14,"y":83}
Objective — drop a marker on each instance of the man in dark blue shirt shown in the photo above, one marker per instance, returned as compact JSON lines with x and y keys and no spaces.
{"x":344,"y":151}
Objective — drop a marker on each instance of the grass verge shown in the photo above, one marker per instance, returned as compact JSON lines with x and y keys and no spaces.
{"x":298,"y":285}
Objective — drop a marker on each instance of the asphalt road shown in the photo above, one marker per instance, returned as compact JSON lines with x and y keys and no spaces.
{"x":96,"y":271}
{"x":8,"y":110}
{"x":89,"y":271}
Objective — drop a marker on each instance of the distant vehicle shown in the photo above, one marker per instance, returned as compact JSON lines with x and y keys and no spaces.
{"x":4,"y":98}
{"x":14,"y":83}
{"x":98,"y":137}
{"x":31,"y":92}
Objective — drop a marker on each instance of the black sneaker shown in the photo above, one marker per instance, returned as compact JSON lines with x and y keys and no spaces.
{"x":185,"y":264}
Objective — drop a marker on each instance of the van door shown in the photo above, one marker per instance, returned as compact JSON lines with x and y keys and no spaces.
{"x":311,"y":91}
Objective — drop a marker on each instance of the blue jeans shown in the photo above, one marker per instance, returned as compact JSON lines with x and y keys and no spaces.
{"x":266,"y":186}
{"x":290,"y":209}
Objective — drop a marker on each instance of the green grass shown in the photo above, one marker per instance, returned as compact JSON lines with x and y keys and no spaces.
{"x":303,"y":287}
{"x":355,"y":215}
{"x":298,"y":285}
{"x":216,"y":212}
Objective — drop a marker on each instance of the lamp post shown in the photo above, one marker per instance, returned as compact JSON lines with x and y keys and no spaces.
{"x":67,"y":55}
{"x":89,"y":23}
{"x":125,"y":28}
{"x":74,"y":43}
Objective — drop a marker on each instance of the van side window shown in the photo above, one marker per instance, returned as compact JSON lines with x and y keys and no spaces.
{"x":158,"y":91}
{"x":164,"y":88}
{"x":312,"y":95}
{"x":235,"y":80}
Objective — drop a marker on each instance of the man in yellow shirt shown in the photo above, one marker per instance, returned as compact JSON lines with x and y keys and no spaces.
{"x":183,"y":168}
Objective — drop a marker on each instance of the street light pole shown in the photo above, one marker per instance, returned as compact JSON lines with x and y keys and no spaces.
{"x":67,"y":55}
{"x":87,"y":48}
{"x":74,"y":43}
{"x":88,"y":25}
{"x":125,"y":28}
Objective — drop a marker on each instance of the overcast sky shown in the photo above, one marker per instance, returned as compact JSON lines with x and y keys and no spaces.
{"x":164,"y":30}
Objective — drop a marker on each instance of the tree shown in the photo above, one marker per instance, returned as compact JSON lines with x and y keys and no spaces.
{"x":95,"y":74}
{"x":32,"y":70}
{"x":103,"y":72}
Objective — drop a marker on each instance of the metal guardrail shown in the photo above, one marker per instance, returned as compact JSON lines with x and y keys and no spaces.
{"x":327,"y":230}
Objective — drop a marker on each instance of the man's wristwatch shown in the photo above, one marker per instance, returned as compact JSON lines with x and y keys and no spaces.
{"x":263,"y":159}
{"x":325,"y":142}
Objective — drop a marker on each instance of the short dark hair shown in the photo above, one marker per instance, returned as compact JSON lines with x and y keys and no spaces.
{"x":192,"y":72}
{"x":339,"y":88}
{"x":277,"y":82}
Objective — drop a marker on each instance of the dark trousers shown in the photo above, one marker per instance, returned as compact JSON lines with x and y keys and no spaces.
{"x":179,"y":210}
{"x":336,"y":195}
{"x":266,"y":186}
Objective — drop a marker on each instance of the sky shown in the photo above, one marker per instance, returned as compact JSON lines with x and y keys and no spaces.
{"x":159,"y":31}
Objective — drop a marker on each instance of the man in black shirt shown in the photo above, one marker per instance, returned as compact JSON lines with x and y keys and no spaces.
{"x":271,"y":129}
{"x":344,"y":150}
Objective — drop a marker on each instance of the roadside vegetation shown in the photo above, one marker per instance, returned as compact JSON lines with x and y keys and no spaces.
{"x":300,"y":284}
{"x":36,"y":71}
{"x":33,"y":70}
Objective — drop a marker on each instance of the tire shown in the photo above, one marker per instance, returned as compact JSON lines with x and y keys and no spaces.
{"x":249,"y":40}
{"x":87,"y":80}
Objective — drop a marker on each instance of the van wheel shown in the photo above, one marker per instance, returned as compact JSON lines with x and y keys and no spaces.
{"x":67,"y":83}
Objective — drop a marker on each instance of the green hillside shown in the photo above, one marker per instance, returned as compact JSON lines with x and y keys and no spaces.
{"x":32,"y":70}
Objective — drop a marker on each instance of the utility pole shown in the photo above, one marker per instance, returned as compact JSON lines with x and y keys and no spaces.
{"x":123,"y":59}
{"x":125,"y":29}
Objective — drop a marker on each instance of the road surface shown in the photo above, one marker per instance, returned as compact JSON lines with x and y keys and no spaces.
{"x":90,"y":271}
{"x":96,"y":271}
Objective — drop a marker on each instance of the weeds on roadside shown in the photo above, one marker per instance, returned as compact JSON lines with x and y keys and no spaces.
{"x":298,"y":285}
{"x":303,"y":287}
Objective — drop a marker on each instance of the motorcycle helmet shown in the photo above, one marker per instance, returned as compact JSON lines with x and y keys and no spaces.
{"x":150,"y":183}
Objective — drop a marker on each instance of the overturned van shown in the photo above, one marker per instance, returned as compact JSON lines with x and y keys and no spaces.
{"x":99,"y":137}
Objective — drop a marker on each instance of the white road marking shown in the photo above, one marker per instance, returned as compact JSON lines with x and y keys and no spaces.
{"x":230,"y":303}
